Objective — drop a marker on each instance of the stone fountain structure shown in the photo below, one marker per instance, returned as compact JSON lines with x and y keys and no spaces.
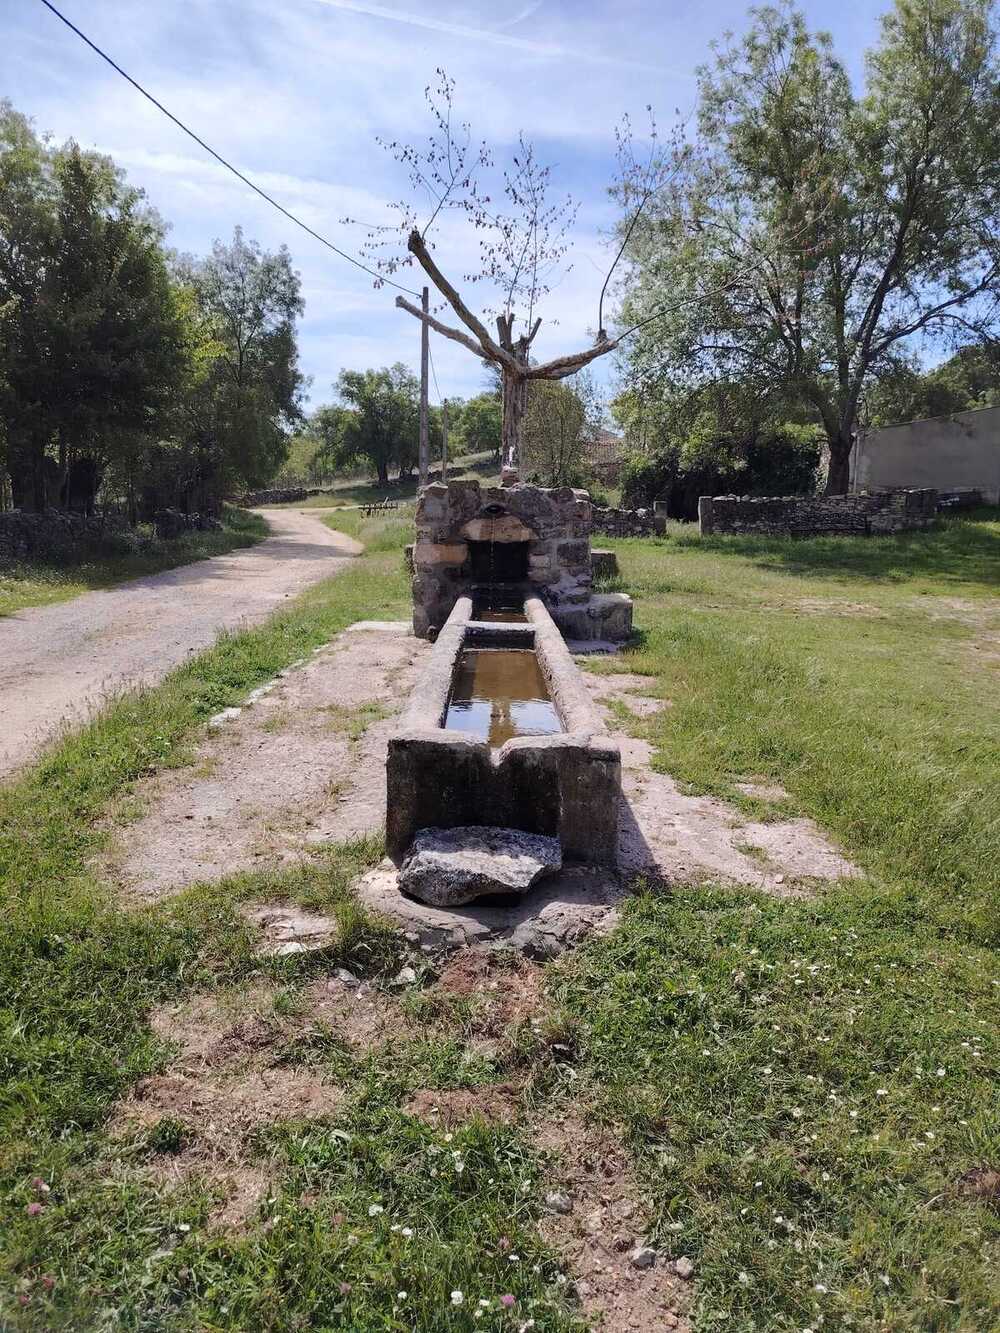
{"x":532,"y":539}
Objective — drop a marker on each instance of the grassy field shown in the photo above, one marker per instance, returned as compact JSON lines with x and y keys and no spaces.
{"x":37,"y":583}
{"x":812,"y":1089}
{"x":808,"y":1088}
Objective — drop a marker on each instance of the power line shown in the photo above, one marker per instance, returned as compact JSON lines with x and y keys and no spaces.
{"x":437,"y":387}
{"x":219,"y":158}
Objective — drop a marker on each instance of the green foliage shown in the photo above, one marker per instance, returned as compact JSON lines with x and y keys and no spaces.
{"x":376,"y":421}
{"x":554,"y":430}
{"x":152,"y":385}
{"x":968,"y":380}
{"x":91,"y":335}
{"x":479,"y":424}
{"x":243,"y":392}
{"x":774,"y":460}
{"x":809,"y":234}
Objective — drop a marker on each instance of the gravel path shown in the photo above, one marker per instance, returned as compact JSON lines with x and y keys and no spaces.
{"x":59,"y":663}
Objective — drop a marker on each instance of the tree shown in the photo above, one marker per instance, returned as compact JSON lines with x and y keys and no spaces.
{"x":811,"y":234}
{"x":556,"y":425}
{"x":376,"y":420}
{"x":970,"y":379}
{"x":522,"y":245}
{"x":91,"y":335}
{"x":479,"y":424}
{"x":244,"y":394}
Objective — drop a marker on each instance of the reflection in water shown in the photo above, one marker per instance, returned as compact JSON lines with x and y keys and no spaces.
{"x":499,"y":604}
{"x":499,"y":693}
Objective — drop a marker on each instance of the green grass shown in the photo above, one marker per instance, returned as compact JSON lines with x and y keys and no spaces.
{"x":384,"y":532}
{"x":480,"y":466}
{"x":38,"y":583}
{"x":773,"y":1065}
{"x":804,"y":1084}
{"x":102,"y":1245}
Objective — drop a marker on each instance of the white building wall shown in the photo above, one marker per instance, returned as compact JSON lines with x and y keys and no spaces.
{"x":960,"y":452}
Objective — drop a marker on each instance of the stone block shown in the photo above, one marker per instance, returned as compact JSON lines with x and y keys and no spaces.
{"x":440,"y":553}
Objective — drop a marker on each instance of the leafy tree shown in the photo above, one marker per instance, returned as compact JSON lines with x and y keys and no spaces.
{"x":776,"y":459}
{"x":811,"y":234}
{"x":479,"y":424}
{"x":91,"y":334}
{"x":244,"y":393}
{"x":376,"y":421}
{"x":970,"y":379}
{"x":555,"y":429}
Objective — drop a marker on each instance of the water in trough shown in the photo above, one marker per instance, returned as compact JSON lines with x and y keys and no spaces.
{"x":499,"y":693}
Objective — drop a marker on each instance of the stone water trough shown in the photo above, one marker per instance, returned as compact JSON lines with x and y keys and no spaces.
{"x":564,"y":785}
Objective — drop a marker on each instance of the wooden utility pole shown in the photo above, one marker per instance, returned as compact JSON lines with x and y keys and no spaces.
{"x":444,"y":439}
{"x":423,"y":464}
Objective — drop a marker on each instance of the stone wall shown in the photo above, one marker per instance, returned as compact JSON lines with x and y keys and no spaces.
{"x":814,"y":515}
{"x":290,"y":495}
{"x":59,"y":536}
{"x":628,"y":522}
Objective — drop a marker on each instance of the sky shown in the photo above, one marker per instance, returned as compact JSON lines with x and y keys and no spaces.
{"x":296,"y":94}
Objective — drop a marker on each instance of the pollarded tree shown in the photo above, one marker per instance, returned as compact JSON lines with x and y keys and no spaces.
{"x":522,"y":246}
{"x":813,"y":234}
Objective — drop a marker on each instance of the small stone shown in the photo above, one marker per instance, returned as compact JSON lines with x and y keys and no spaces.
{"x":343,"y":978}
{"x":593,"y":1223}
{"x":779,"y":879}
{"x":621,"y":1243}
{"x":406,"y":976}
{"x":642,"y":1257}
{"x":285,"y":950}
{"x":683,"y":1267}
{"x":558,"y":1202}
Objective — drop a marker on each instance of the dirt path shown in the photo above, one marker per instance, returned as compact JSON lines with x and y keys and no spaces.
{"x":58,"y":663}
{"x":303,"y":766}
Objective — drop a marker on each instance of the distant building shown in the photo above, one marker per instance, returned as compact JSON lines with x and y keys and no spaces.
{"x":956,"y":453}
{"x":604,"y":452}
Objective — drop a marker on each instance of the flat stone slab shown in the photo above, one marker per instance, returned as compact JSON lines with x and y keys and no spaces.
{"x":449,"y":867}
{"x":558,"y":914}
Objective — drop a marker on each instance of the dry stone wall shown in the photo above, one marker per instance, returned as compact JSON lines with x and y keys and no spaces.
{"x":59,"y":536}
{"x":628,"y":522}
{"x":815,"y":515}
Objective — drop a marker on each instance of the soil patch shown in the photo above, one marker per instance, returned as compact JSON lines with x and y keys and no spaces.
{"x":597,"y":1222}
{"x":295,"y":769}
{"x":497,"y":1105}
{"x":231,"y":1075}
{"x":507,"y":991}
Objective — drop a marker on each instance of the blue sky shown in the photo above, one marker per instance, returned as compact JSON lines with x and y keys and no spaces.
{"x":296,"y":91}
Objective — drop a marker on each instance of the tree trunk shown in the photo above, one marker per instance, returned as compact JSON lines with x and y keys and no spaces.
{"x":515,"y":402}
{"x":838,"y":480}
